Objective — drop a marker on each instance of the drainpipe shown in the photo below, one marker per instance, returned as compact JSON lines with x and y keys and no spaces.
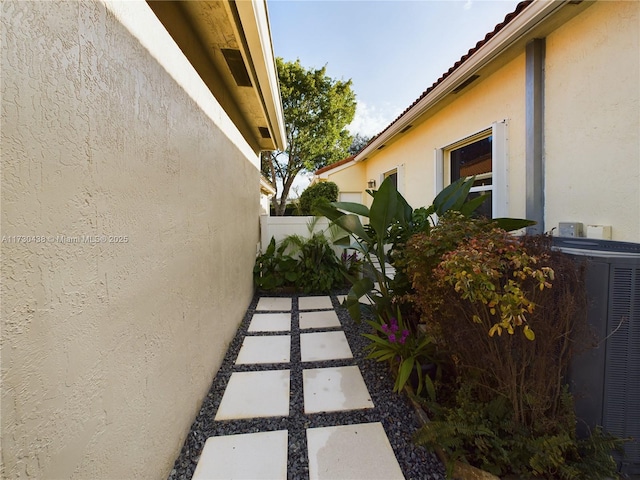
{"x":534,"y":125}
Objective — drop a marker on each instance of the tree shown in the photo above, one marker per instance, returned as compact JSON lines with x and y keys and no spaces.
{"x":317,"y":109}
{"x":323,"y":191}
{"x":358,"y":143}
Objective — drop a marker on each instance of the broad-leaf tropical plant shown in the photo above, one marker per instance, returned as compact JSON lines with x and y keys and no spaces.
{"x":391,"y":219}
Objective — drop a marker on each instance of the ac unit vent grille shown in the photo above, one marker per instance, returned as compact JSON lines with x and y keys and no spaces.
{"x":621,"y":414}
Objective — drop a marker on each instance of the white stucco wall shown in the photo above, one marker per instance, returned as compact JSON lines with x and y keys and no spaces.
{"x":592,"y":120}
{"x":108,"y":348}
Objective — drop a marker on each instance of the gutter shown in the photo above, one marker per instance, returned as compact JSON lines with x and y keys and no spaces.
{"x":519,"y":27}
{"x":254,"y":18}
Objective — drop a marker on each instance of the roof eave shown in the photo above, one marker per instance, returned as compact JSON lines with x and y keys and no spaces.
{"x":535,"y":14}
{"x":255,"y":24}
{"x":206,"y":31}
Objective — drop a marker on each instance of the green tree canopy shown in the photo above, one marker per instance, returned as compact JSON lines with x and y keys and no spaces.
{"x":317,"y":109}
{"x":358,"y":143}
{"x":327,"y":191}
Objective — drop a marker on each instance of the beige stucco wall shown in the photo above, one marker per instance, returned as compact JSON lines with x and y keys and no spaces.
{"x":109,"y":348}
{"x":350,"y":179}
{"x":592,"y":115}
{"x":500,"y":96}
{"x":591,"y":126}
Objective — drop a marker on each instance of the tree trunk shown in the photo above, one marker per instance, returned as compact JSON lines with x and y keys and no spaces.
{"x":286,"y":187}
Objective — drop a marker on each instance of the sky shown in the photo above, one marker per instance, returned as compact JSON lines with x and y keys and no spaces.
{"x":392,"y":50}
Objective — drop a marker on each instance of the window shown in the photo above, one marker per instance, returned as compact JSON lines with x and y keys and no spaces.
{"x":475,"y":159}
{"x":393,"y":174}
{"x":397,"y":177}
{"x":484,"y":155}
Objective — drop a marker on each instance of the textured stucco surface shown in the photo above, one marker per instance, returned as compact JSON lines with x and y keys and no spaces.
{"x":109,"y":348}
{"x":592,"y":109}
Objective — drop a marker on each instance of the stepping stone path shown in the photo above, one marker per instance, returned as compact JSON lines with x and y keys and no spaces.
{"x":354,"y":451}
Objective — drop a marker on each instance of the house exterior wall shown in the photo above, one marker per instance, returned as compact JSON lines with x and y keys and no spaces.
{"x":108,"y":347}
{"x":592,"y":120}
{"x":498,"y":97}
{"x":351,"y":179}
{"x":591,"y":145}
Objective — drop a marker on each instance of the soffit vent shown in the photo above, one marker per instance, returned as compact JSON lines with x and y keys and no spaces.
{"x":467,"y":82}
{"x":264,"y":132}
{"x":237,"y":67}
{"x":381,"y":147}
{"x":406,"y":128}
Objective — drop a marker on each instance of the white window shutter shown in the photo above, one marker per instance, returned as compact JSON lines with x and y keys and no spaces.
{"x":438,"y":171}
{"x":500,"y":168}
{"x":400,"y":172}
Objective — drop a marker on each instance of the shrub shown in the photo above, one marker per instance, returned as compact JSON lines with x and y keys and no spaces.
{"x":482,"y":294}
{"x":308,"y":264}
{"x":323,"y":191}
{"x":274,"y":269}
{"x":319,"y":270}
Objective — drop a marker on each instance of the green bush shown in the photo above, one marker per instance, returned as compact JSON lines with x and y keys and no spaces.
{"x":274,"y":269}
{"x":319,"y":270}
{"x":308,"y":264}
{"x":484,"y":434}
{"x":320,"y":192}
{"x":482,"y":293}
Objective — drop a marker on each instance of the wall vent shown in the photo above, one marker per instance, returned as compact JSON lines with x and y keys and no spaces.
{"x":237,"y":67}
{"x":467,"y":82}
{"x":264,"y":132}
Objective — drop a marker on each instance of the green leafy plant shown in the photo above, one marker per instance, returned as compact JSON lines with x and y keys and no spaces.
{"x":484,"y":434}
{"x":391,"y":222}
{"x":404,"y":350}
{"x":275,"y":269}
{"x":307,"y":264}
{"x":319,"y":270}
{"x":506,"y":407}
{"x":319,"y":192}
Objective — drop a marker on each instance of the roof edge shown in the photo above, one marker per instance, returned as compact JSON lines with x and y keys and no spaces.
{"x":528,"y":14}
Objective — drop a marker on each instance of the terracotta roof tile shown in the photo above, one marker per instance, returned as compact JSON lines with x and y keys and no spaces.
{"x":334,"y":165}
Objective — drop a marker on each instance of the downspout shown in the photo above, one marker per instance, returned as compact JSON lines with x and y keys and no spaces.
{"x":534,"y":142}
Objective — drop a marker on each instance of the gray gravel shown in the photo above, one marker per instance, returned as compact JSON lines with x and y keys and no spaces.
{"x":394,"y":411}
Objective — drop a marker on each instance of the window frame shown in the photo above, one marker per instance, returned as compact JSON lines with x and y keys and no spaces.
{"x":499,"y":168}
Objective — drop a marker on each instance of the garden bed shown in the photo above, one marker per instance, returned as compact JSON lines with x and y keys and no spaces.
{"x":394,"y":411}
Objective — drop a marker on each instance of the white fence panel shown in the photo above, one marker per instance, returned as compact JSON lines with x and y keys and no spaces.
{"x":280,"y":227}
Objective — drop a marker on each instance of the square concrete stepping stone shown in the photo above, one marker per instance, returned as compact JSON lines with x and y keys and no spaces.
{"x":278,"y":304}
{"x":259,"y":456}
{"x":360,"y":451}
{"x":314,"y":303}
{"x":334,"y":389}
{"x":324,"y":319}
{"x":364,"y":300}
{"x":320,"y":346}
{"x":270,"y":322}
{"x":255,"y":394}
{"x":272,"y":349}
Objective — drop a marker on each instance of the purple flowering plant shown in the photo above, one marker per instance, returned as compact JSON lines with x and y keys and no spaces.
{"x":404,"y":350}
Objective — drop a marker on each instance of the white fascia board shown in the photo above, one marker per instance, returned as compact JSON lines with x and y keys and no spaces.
{"x":531,"y":17}
{"x":266,"y":186}
{"x":255,"y":25}
{"x":325,"y":175}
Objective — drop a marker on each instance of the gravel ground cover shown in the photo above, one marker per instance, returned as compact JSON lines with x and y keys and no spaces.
{"x":394,"y":411}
